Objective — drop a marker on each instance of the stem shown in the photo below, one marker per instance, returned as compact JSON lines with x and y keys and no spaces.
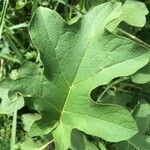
{"x":13,"y":37}
{"x":129,"y":92}
{"x":132,"y":86}
{"x":134,"y":38}
{"x":82,"y":4}
{"x":13,"y":133}
{"x":46,"y":145}
{"x":110,"y":85}
{"x":100,"y":97}
{"x":1,"y":68}
{"x":133,"y":145}
{"x":66,"y":10}
{"x":122,"y":90}
{"x":55,"y":8}
{"x":13,"y":46}
{"x":18,"y":26}
{"x":9,"y":58}
{"x":2,"y":21}
{"x":34,"y":5}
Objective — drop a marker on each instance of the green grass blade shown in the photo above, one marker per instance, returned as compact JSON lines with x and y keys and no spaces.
{"x":2,"y":20}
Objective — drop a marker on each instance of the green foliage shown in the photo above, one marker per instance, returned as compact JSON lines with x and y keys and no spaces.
{"x":142,"y":76}
{"x":75,"y":77}
{"x":142,"y":139}
{"x":133,"y":13}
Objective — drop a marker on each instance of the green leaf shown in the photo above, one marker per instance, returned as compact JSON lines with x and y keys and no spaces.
{"x":125,"y":146}
{"x":43,"y":96}
{"x":78,"y":58}
{"x":80,"y":142}
{"x":102,"y":147}
{"x":20,"y":4}
{"x":29,"y":144}
{"x":15,"y":104}
{"x":142,"y":139}
{"x":133,"y":13}
{"x":142,"y":116}
{"x":29,"y":69}
{"x":123,"y":99}
{"x":8,"y":106}
{"x":142,"y":76}
{"x":4,"y":88}
{"x":29,"y":119}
